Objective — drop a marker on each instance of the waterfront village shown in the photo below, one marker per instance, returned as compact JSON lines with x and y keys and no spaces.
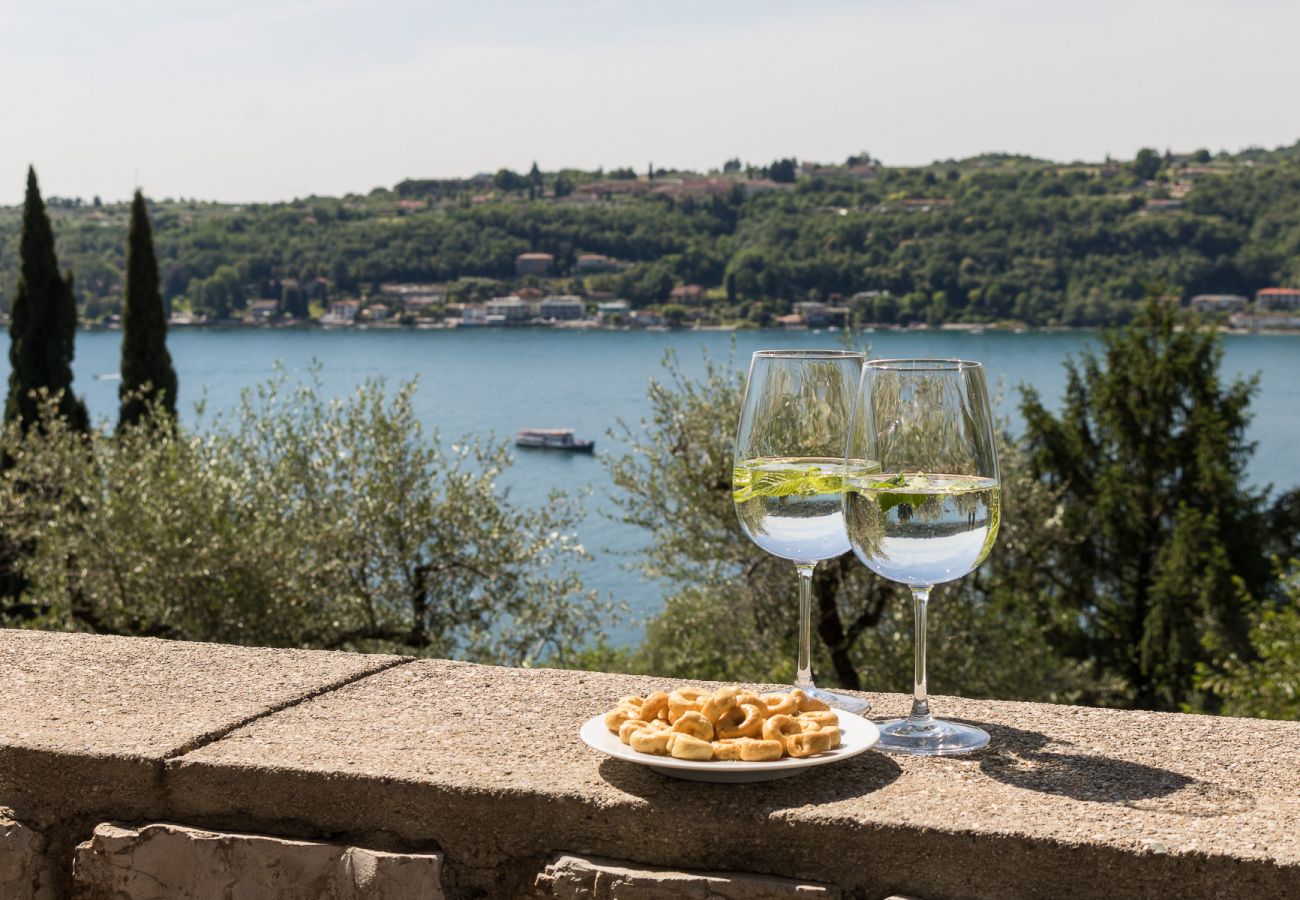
{"x":426,"y":306}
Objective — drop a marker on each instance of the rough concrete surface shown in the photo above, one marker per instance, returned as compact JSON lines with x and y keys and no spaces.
{"x":24,"y":869}
{"x":579,"y":878}
{"x":171,"y":862}
{"x":486,"y":763}
{"x":87,"y":720}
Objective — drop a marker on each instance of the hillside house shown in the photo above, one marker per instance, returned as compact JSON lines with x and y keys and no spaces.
{"x":261,"y":310}
{"x":562,"y":308}
{"x":342,"y":312}
{"x":509,"y":311}
{"x":597,"y":262}
{"x":1218,"y":303}
{"x":644,"y":318}
{"x":1278,"y":298}
{"x":613,"y":309}
{"x":688,"y":294}
{"x":533,"y":264}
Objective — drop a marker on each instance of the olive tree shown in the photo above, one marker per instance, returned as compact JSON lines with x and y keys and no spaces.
{"x":296,"y":521}
{"x":731,"y":613}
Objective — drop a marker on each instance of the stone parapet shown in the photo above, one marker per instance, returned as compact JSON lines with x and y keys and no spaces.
{"x":25,"y":871}
{"x":482,"y":765}
{"x":577,"y":878}
{"x":171,"y":862}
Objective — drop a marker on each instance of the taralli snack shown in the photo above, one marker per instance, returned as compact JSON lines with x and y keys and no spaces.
{"x":725,"y":725}
{"x":743,"y":721}
{"x":684,"y":701}
{"x":808,"y":704}
{"x":655,"y":707}
{"x":615,"y":718}
{"x":778,"y":728}
{"x":694,"y":724}
{"x":726,"y":750}
{"x":719,"y":705}
{"x":650,"y":741}
{"x":806,"y":743}
{"x":760,"y":751}
{"x":823,"y":718}
{"x":684,"y":746}
{"x":780,"y":704}
{"x":627,"y":728}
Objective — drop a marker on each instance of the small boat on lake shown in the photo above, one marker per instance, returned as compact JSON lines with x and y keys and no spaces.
{"x":553,"y":439}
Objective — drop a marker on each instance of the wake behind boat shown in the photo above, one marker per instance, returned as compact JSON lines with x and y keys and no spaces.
{"x":553,"y":439}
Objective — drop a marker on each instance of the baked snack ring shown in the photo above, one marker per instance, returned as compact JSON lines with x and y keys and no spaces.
{"x":808,"y":743}
{"x":752,"y":750}
{"x":685,"y":746}
{"x":728,"y":724}
{"x":780,"y":704}
{"x":694,"y":724}
{"x":719,"y":705}
{"x":811,"y":704}
{"x":822,"y":718}
{"x":615,"y":718}
{"x":781,"y":728}
{"x":648,"y":740}
{"x":655,"y":706}
{"x":627,"y":728}
{"x":685,"y":700}
{"x":744,"y":721}
{"x":726,"y":750}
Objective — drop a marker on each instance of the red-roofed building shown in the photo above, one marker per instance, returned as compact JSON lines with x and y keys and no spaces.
{"x":533,"y":264}
{"x":1278,"y":298}
{"x":686,"y":293}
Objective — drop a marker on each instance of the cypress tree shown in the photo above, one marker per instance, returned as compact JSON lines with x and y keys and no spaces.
{"x":43,"y":322}
{"x":1171,"y":544}
{"x":147,"y":373}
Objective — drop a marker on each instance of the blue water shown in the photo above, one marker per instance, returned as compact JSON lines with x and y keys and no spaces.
{"x":492,"y":382}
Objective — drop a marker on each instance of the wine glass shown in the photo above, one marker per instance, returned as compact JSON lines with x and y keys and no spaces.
{"x":788,"y":473}
{"x":930,"y":514}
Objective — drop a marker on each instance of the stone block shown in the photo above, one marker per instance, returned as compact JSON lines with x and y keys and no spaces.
{"x":173,"y":862}
{"x":88,"y":720}
{"x":24,"y":870}
{"x":580,"y":878}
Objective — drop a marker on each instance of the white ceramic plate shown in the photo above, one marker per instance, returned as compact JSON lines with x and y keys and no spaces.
{"x":857,"y":735}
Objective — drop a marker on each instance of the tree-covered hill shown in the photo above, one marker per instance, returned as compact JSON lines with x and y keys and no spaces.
{"x":989,"y":238}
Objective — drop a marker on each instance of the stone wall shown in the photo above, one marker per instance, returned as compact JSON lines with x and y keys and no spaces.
{"x":136,"y":768}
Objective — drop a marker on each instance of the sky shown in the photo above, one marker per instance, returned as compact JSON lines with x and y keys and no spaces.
{"x":260,"y":100}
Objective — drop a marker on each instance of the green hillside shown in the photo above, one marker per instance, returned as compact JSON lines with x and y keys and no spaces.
{"x":990,"y":238}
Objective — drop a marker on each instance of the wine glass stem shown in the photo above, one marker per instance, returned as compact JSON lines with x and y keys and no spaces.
{"x":803,"y":671}
{"x":920,"y":716}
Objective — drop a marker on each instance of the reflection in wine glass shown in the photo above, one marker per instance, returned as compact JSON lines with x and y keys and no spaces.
{"x":789,"y":472}
{"x":931,"y":513}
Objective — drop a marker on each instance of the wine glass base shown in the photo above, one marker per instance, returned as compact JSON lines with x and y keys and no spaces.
{"x":857,"y":705}
{"x":934,"y":738}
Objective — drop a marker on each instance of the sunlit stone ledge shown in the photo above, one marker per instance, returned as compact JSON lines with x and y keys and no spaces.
{"x":476,"y":774}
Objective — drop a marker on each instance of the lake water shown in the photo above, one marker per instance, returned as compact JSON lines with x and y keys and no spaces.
{"x":492,"y":382}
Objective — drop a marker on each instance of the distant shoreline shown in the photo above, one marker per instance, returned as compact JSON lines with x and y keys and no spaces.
{"x":975,"y":330}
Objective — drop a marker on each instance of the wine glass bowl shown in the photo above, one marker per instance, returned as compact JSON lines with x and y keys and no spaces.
{"x":789,"y":472}
{"x":931,"y":512}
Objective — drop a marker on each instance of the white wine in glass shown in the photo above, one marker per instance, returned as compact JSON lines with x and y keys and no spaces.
{"x":788,"y":478}
{"x":931,"y":513}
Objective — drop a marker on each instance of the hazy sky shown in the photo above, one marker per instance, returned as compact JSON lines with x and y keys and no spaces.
{"x":271,"y":99}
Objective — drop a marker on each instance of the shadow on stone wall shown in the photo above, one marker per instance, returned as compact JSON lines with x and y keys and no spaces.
{"x":1036,"y":762}
{"x":845,"y":780}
